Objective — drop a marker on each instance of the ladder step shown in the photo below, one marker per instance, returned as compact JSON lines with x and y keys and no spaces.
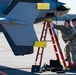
{"x":54,"y":44}
{"x":50,"y":41}
{"x":39,"y":53}
{"x":44,"y":29}
{"x":43,"y":37}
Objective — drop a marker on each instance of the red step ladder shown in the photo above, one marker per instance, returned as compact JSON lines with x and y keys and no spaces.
{"x":47,"y":26}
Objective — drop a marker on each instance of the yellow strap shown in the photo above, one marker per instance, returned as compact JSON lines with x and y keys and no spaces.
{"x":43,"y":6}
{"x":40,"y":44}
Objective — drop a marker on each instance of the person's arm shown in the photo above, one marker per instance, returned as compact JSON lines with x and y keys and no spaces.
{"x":72,"y":34}
{"x":58,"y":27}
{"x":64,"y":38}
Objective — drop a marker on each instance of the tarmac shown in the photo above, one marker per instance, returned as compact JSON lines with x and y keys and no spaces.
{"x":21,"y":65}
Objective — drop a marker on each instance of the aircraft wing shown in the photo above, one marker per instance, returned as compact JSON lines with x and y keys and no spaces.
{"x":21,"y":37}
{"x":25,"y":12}
{"x":19,"y":17}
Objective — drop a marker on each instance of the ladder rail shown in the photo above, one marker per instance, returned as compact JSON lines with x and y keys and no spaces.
{"x":37,"y":55}
{"x":40,"y":40}
{"x":41,"y":56}
{"x":53,"y":41}
{"x":60,"y":50}
{"x":58,"y":45}
{"x":44,"y":40}
{"x":43,"y":30}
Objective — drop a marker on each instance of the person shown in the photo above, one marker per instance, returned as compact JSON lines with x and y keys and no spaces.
{"x":72,"y":38}
{"x":65,"y":31}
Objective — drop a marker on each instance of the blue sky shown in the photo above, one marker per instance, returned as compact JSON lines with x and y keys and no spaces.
{"x":72,"y":4}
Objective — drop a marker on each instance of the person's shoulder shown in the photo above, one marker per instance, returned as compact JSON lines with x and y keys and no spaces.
{"x":71,"y":26}
{"x":73,"y":29}
{"x":74,"y":26}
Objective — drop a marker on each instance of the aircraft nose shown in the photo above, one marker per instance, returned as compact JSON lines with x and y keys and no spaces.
{"x":62,"y":10}
{"x":68,"y":7}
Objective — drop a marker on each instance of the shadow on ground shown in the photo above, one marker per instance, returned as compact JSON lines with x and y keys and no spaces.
{"x":71,"y":71}
{"x":11,"y":71}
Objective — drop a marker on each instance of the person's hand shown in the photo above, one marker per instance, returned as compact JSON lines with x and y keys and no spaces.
{"x":52,"y":25}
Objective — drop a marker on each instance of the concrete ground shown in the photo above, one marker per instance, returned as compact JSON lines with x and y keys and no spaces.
{"x":21,"y":65}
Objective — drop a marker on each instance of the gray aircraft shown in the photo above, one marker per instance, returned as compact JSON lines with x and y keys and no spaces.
{"x":17,"y":18}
